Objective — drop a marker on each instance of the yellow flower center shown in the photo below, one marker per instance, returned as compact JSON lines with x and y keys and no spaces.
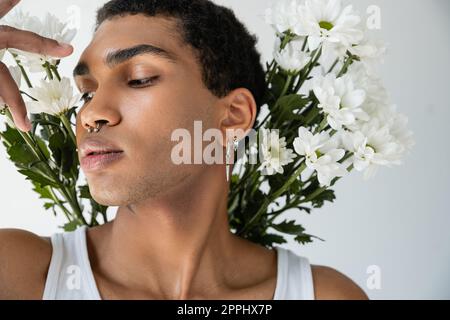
{"x":326,"y":25}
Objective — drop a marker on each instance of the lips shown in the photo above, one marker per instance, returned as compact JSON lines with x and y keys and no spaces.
{"x":97,"y":153}
{"x":97,"y":145}
{"x":97,"y":162}
{"x":94,"y":153}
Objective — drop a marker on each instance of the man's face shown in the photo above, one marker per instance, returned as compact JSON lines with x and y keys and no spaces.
{"x":141,"y":115}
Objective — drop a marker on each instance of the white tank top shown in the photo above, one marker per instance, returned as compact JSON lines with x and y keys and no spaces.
{"x":70,"y":276}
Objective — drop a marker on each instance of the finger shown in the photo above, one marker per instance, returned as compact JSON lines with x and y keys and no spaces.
{"x":6,"y":6}
{"x":11,"y":96}
{"x":31,"y":42}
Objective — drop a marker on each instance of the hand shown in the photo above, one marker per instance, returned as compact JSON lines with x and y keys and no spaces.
{"x":26,"y":41}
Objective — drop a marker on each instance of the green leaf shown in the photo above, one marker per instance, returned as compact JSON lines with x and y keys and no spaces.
{"x":34,"y":176}
{"x":12,"y":136}
{"x":303,"y":238}
{"x":71,"y":226}
{"x":295,"y":187}
{"x":286,"y":106}
{"x":70,"y":112}
{"x":326,"y":195}
{"x":269,"y":239}
{"x":278,"y":82}
{"x":302,"y":208}
{"x":84,"y":192}
{"x":292,"y":101}
{"x":49,"y":205}
{"x":63,"y":151}
{"x":289,"y":227}
{"x":42,"y":191}
{"x":21,"y":153}
{"x":43,"y":147}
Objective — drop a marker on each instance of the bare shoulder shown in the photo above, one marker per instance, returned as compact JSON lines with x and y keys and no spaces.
{"x":24,"y":261}
{"x":330,"y":284}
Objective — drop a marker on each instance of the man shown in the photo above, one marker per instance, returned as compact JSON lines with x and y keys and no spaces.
{"x":153,"y":67}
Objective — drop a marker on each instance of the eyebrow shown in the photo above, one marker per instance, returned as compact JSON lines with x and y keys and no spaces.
{"x":119,"y":56}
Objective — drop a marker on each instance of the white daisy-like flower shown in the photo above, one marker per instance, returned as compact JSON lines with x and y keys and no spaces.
{"x":283,"y":15}
{"x":370,"y":53}
{"x":291,"y":58}
{"x":273,"y":152}
{"x":54,"y":97}
{"x":16,"y":74}
{"x":373,"y":146}
{"x":321,"y":153}
{"x":2,"y":53}
{"x":326,"y":21}
{"x":398,"y":128}
{"x":19,"y":19}
{"x":50,"y":27}
{"x":339,"y":100}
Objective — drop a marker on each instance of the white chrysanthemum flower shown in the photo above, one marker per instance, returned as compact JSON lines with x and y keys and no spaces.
{"x":19,"y":19}
{"x":54,"y":97}
{"x":339,"y":100}
{"x":16,"y":74}
{"x":378,"y":106}
{"x":370,"y":53}
{"x":321,"y":153}
{"x":283,"y":15}
{"x":2,"y":53}
{"x":291,"y":59}
{"x":373,"y":146}
{"x":373,"y":85}
{"x":398,"y":128}
{"x":51,"y":27}
{"x":274,"y":153}
{"x":326,"y":21}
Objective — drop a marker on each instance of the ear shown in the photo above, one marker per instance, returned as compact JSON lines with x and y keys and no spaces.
{"x":239,"y":114}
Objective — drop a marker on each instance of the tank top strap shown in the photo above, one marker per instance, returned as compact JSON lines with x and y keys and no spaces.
{"x":294,"y":277}
{"x":70,"y":274}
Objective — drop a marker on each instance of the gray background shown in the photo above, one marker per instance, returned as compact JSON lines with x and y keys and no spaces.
{"x":398,"y":221}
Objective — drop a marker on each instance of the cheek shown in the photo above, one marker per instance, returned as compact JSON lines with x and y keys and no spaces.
{"x":161,"y":110}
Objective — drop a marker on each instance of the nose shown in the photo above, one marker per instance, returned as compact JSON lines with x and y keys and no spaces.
{"x":100,"y":109}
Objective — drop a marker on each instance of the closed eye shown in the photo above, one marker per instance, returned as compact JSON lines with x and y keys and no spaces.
{"x":87,"y":96}
{"x":143,"y":82}
{"x":137,"y":83}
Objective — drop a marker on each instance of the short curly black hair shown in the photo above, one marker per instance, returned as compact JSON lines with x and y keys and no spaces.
{"x":225,"y":49}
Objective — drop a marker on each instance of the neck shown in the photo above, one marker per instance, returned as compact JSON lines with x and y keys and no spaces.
{"x":179,"y":243}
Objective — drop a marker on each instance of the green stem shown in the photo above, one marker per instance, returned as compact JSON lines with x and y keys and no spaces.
{"x":322,"y":125}
{"x":58,"y":202}
{"x":55,"y":72}
{"x":41,"y":156}
{"x":274,"y":214}
{"x":322,"y":189}
{"x":24,"y":74}
{"x":311,"y":66}
{"x":48,"y":71}
{"x":283,"y":93}
{"x":347,"y":63}
{"x":312,"y":114}
{"x":68,"y":126}
{"x":24,"y":93}
{"x":333,"y":65}
{"x":105,"y":217}
{"x":275,"y":195}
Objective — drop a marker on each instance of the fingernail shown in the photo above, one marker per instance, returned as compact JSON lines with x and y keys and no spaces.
{"x":28,"y":123}
{"x":64,"y":45}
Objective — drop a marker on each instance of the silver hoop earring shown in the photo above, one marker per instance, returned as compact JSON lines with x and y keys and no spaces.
{"x":228,"y":155}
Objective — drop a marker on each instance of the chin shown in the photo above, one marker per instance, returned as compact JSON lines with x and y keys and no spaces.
{"x":104,"y":196}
